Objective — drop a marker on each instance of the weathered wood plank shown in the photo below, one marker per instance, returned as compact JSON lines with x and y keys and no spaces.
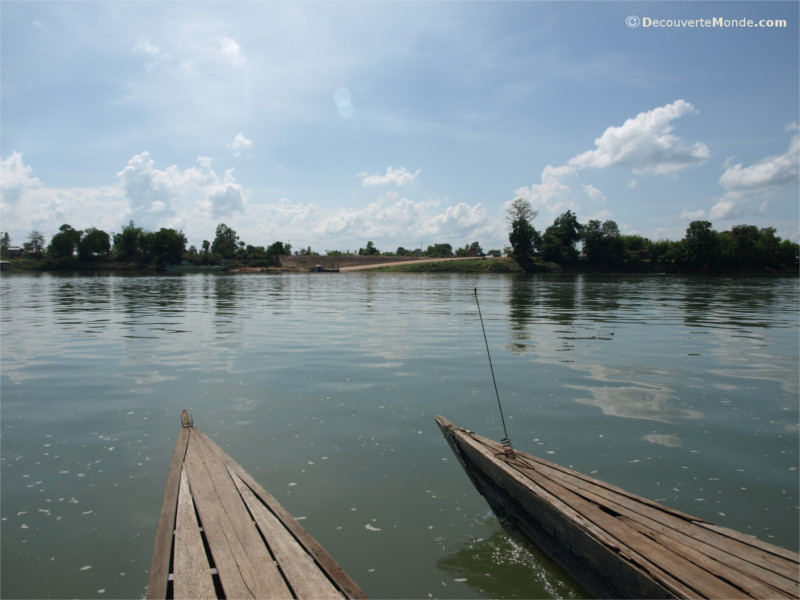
{"x":192,"y":571}
{"x":244,"y":565}
{"x":763,"y":556}
{"x":751,"y":586}
{"x":771,"y":549}
{"x":303,"y":574}
{"x":159,"y":564}
{"x":334,"y":572}
{"x":750,"y":569}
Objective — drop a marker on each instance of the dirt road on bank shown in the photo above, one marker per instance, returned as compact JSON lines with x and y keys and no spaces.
{"x":380,"y":265}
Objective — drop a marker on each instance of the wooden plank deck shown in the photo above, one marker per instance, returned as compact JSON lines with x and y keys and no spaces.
{"x":615,"y":543}
{"x":221,"y":535}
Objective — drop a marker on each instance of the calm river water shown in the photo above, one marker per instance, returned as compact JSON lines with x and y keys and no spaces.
{"x":324,"y":387}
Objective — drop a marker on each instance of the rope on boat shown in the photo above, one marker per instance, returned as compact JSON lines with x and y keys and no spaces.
{"x":505,"y":441}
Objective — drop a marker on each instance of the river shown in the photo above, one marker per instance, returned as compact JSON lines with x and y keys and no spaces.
{"x":324,"y":387}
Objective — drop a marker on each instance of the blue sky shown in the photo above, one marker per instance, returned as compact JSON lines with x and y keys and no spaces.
{"x":328,"y":124}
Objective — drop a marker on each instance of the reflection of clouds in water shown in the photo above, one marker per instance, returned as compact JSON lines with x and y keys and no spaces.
{"x":244,"y":404}
{"x":148,"y":378}
{"x":634,"y":394}
{"x":671,"y":441}
{"x":636,"y":402}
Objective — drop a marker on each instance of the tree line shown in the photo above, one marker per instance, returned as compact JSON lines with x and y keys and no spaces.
{"x":72,"y":247}
{"x":743,"y":248}
{"x":566,"y":245}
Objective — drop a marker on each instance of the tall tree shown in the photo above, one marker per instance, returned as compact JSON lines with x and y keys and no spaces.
{"x":167,"y":246}
{"x":36,"y":239}
{"x":130,"y":242}
{"x":523,"y":236}
{"x":369,"y":250}
{"x":702,"y":245}
{"x":603,"y":244}
{"x":559,"y":240}
{"x":63,"y":244}
{"x":94,"y":243}
{"x":5,"y":244}
{"x":226,"y":241}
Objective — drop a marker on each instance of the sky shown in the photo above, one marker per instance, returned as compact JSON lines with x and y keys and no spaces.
{"x":328,"y":124}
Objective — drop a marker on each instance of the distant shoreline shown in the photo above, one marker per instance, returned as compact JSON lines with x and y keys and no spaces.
{"x":353,"y":263}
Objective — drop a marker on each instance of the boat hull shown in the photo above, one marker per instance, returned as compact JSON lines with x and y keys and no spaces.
{"x":614,"y":543}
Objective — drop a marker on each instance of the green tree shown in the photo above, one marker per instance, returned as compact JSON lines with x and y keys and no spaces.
{"x":279,"y":249}
{"x":63,"y":244}
{"x":473,"y":249}
{"x":702,"y":246}
{"x":523,"y":236}
{"x":5,"y":244}
{"x":94,"y":243}
{"x":36,"y":241}
{"x":167,"y":246}
{"x":226,"y":241}
{"x":602,"y":244}
{"x":439,"y":251}
{"x":560,"y":239}
{"x":370,"y":250}
{"x":130,"y":242}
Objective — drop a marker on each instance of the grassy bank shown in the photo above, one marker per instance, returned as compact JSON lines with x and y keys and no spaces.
{"x":475,"y":265}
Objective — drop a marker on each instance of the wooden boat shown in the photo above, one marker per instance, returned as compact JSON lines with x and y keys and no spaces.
{"x":615,"y":543}
{"x":221,"y":535}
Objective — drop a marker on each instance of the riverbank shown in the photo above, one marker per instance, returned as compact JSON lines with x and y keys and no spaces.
{"x":345,"y":263}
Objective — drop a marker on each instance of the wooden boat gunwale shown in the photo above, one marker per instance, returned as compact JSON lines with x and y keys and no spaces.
{"x":614,"y":543}
{"x":238,"y":493}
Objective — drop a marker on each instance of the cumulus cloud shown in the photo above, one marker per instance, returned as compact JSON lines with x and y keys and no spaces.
{"x":15,"y":178}
{"x":391,"y":220}
{"x":770,"y":172}
{"x":239,"y":143}
{"x":166,"y":198}
{"x":645,"y":143}
{"x":398,"y":177}
{"x":27,"y":204}
{"x":593,"y":192}
{"x":746,"y":186}
{"x":231,"y":50}
{"x":227,"y":198}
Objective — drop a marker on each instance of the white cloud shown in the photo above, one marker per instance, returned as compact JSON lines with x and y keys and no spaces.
{"x":693,"y":215}
{"x":645,"y":143}
{"x":171,"y":197}
{"x":15,"y":178}
{"x":231,"y":50}
{"x":398,"y":177}
{"x":724,"y":209}
{"x":153,"y":53}
{"x":144,"y":46}
{"x":593,"y":192}
{"x":239,"y":143}
{"x":390,"y":221}
{"x":226,"y":199}
{"x":770,"y":172}
{"x":749,"y":189}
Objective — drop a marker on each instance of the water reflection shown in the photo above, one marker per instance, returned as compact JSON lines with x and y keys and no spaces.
{"x":505,"y":566}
